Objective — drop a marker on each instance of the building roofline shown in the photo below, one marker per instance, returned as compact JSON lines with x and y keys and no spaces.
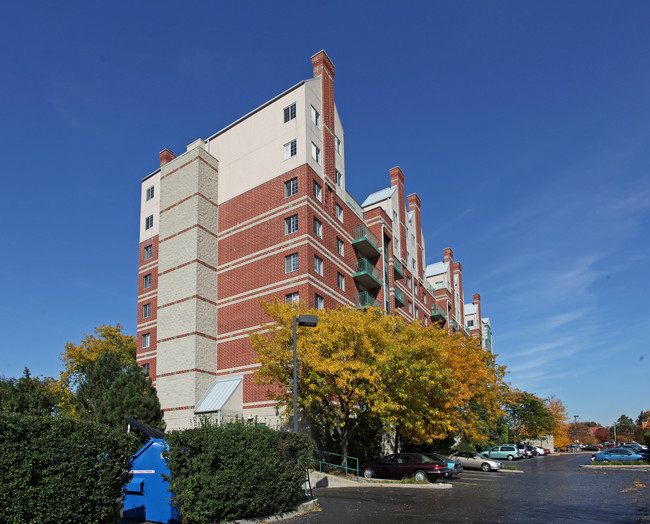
{"x":256,"y":110}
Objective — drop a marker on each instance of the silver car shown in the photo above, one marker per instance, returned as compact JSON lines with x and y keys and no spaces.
{"x":473,"y":460}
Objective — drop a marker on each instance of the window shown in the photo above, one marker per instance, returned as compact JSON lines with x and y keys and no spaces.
{"x":408,"y":282}
{"x":339,"y":246}
{"x":315,"y":117}
{"x":319,"y":302}
{"x":291,"y":224}
{"x":337,"y":143}
{"x":397,"y":245}
{"x":291,"y":187}
{"x":415,"y":287}
{"x":149,"y":193}
{"x":146,"y":310}
{"x":417,"y":312}
{"x":318,"y":228}
{"x":290,"y":149}
{"x":339,"y":212}
{"x":410,"y":307}
{"x":289,"y":112}
{"x":148,"y":252}
{"x":339,"y":179}
{"x":470,"y":323}
{"x":291,"y":263}
{"x":146,"y":281}
{"x":145,"y":370}
{"x":315,"y":153}
{"x":292,"y":298}
{"x":318,"y":191}
{"x":148,"y":222}
{"x":146,"y":340}
{"x":394,"y":217}
{"x":413,"y":263}
{"x":340,"y":281}
{"x":318,"y":265}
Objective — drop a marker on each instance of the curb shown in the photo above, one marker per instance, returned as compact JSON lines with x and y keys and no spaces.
{"x":607,"y":468}
{"x":510,"y":471}
{"x":302,"y":508}
{"x":322,"y":480}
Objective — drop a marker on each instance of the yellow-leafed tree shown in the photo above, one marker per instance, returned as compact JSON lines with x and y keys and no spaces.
{"x":356,"y":365}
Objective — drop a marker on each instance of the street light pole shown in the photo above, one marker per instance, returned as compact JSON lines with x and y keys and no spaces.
{"x":301,"y":320}
{"x":575,"y":428}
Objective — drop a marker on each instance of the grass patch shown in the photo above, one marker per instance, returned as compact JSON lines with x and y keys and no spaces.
{"x":619,"y":463}
{"x":511,"y":468}
{"x":411,"y":480}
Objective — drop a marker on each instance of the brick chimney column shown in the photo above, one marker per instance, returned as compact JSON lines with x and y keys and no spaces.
{"x":476,"y":298}
{"x":460,"y":309}
{"x":397,"y":180}
{"x":166,"y":156}
{"x":324,"y":68}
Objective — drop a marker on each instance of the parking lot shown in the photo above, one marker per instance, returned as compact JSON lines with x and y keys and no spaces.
{"x":550,"y":489}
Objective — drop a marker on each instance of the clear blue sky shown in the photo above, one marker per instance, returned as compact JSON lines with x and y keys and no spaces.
{"x":523,"y":126}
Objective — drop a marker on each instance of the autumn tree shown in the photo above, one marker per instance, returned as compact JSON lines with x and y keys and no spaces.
{"x":560,"y":420}
{"x":78,"y":358}
{"x":358,"y":366}
{"x":602,"y":434}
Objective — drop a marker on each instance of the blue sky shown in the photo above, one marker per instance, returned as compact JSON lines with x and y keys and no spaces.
{"x":523,"y":127}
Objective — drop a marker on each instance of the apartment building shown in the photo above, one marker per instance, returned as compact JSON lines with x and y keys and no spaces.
{"x":260,"y":210}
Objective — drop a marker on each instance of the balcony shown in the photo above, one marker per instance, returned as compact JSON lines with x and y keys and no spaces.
{"x":454,"y":326}
{"x":438,"y":314}
{"x":399,"y":298}
{"x":466,"y":330}
{"x":429,"y":287}
{"x":365,"y":299}
{"x":365,"y":242}
{"x":366,"y":274}
{"x":398,"y":269}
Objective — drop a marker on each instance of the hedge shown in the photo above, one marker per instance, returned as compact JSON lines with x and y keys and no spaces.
{"x":235,"y":471}
{"x":54,"y":469}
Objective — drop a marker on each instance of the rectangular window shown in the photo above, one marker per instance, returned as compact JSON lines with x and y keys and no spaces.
{"x":315,"y":117}
{"x":413,"y":263}
{"x":146,"y":310}
{"x":318,"y":193}
{"x":291,"y":187}
{"x":319,"y":302}
{"x":315,"y":153}
{"x":145,"y":370}
{"x":146,"y":281}
{"x":339,"y":246}
{"x":292,"y":298}
{"x":146,"y":340}
{"x":290,"y":149}
{"x":148,"y":222}
{"x":339,"y":212}
{"x":291,"y":263}
{"x":291,"y":224}
{"x":318,"y":265}
{"x":289,"y":112}
{"x":149,"y":193}
{"x":408,"y":282}
{"x":394,"y":217}
{"x":337,"y":144}
{"x":470,"y":323}
{"x":340,"y":281}
{"x":318,"y":228}
{"x":339,"y":179}
{"x":148,"y":252}
{"x":410,"y":307}
{"x":417,"y":312}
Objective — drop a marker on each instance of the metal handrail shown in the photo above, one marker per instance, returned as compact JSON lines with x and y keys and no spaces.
{"x":344,"y":463}
{"x":365,"y":299}
{"x":360,"y":232}
{"x":363,"y":265}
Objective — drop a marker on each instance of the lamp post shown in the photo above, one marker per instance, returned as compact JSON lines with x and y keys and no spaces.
{"x":307,"y":321}
{"x":575,"y":428}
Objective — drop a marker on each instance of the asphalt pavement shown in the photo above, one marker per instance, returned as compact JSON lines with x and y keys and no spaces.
{"x":551,"y":489}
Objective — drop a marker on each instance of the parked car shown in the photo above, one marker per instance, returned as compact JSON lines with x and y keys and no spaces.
{"x":532,"y":450}
{"x":507,"y":451}
{"x":633,"y":446}
{"x":573,"y":447}
{"x":540,"y":451}
{"x":400,"y":465}
{"x":454,"y":466}
{"x":472,"y":460}
{"x":620,"y":454}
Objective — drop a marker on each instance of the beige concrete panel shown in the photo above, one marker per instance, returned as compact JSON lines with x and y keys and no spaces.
{"x":208,"y":176}
{"x":178,"y":250}
{"x":149,"y":207}
{"x":176,"y":390}
{"x":207,"y":248}
{"x":177,"y":319}
{"x":207,"y":214}
{"x":179,"y":419}
{"x":251,"y":152}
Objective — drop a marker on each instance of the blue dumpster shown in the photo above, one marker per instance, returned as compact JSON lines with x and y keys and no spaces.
{"x":147,"y":495}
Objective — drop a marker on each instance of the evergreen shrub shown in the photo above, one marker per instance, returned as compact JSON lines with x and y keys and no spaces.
{"x":54,"y":469}
{"x":235,"y":471}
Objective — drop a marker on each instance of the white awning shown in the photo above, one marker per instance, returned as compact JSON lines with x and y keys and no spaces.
{"x":217,"y":395}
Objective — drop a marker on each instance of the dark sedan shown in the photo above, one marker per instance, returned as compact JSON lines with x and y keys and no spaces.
{"x":401,"y":465}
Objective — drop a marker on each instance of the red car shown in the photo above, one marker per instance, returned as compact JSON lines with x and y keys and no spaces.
{"x":401,"y":465}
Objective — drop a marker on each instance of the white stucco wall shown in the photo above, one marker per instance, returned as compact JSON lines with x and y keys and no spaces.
{"x":150,"y":207}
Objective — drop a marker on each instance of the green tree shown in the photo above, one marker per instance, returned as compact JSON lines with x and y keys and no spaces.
{"x":78,"y":358}
{"x":29,"y":395}
{"x":111,"y":391}
{"x":527,"y":415}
